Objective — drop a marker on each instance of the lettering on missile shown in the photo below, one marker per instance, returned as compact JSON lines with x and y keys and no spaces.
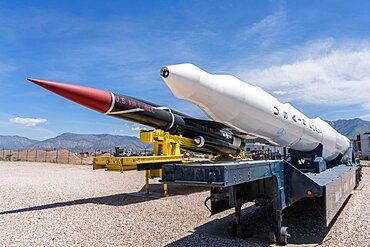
{"x":294,"y":118}
{"x":316,"y":129}
{"x":285,"y":114}
{"x":276,"y":110}
{"x":134,"y":104}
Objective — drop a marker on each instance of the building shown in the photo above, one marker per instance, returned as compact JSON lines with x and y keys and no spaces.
{"x":363,"y":146}
{"x":267,"y":150}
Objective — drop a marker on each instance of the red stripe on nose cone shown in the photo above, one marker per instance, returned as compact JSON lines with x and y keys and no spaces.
{"x":92,"y":98}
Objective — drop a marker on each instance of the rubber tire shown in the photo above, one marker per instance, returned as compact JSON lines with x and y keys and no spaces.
{"x":284,"y":235}
{"x":231,"y":228}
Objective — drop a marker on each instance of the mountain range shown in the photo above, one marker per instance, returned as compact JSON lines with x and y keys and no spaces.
{"x":351,"y":127}
{"x":106,"y":142}
{"x":75,"y":142}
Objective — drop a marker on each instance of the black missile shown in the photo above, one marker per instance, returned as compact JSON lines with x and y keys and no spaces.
{"x":209,"y":136}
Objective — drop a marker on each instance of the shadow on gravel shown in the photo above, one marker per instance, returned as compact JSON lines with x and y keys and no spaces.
{"x":173,"y":189}
{"x":122,"y":199}
{"x":305,"y":220}
{"x":112,"y":200}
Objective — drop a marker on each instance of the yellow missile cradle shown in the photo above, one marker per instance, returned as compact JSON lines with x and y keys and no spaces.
{"x":166,"y":150}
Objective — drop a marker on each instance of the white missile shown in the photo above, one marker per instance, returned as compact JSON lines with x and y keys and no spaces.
{"x":251,"y":110}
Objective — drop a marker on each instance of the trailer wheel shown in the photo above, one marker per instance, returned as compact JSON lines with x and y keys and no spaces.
{"x":284,"y":235}
{"x":240,"y":230}
{"x":231,"y":228}
{"x":272,"y":235}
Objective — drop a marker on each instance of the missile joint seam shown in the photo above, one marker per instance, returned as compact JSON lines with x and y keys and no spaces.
{"x":169,"y":110}
{"x":111,"y":104}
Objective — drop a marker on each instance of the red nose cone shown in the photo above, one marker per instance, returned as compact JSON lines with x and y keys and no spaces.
{"x":92,"y":98}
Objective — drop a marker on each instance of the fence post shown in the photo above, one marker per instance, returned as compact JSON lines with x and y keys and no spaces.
{"x":36,"y":156}
{"x":18,"y":155}
{"x":69,"y":153}
{"x":46,"y":155}
{"x":27,"y":155}
{"x":81,"y":156}
{"x":57,"y":156}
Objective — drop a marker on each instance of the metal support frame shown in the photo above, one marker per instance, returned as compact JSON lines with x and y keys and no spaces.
{"x":166,"y":150}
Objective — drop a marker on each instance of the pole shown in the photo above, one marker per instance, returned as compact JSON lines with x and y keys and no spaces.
{"x":56,"y":159}
{"x":36,"y":156}
{"x":27,"y":155}
{"x":284,"y":152}
{"x":18,"y":155}
{"x":46,"y":155}
{"x":69,"y":153}
{"x":81,"y":156}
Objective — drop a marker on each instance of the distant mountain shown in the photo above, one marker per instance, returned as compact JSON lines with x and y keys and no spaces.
{"x":75,"y":142}
{"x":14,"y":142}
{"x":351,"y":127}
{"x":106,"y":142}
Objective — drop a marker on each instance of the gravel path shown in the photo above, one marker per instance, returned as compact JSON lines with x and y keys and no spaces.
{"x":44,"y":204}
{"x":353,"y":224}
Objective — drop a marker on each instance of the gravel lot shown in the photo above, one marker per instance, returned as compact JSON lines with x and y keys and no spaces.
{"x":44,"y":204}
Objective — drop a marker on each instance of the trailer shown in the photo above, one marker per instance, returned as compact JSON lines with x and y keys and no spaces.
{"x":233,"y":181}
{"x":279,"y":182}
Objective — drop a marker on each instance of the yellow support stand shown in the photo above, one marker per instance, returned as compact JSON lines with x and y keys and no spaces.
{"x":166,"y":150}
{"x":165,"y":145}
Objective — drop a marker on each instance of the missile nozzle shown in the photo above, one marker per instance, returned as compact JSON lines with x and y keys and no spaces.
{"x":92,"y":98}
{"x":164,"y":72}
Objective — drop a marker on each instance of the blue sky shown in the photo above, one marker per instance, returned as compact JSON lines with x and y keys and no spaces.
{"x":313,"y":54}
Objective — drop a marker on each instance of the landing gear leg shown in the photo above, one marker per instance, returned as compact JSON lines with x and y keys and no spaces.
{"x":236,"y":228}
{"x":280,"y":232}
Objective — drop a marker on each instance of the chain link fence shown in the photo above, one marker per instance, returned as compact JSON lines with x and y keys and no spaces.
{"x":64,"y":156}
{"x":52,"y":156}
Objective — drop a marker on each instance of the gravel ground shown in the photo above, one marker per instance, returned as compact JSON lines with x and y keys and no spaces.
{"x":45,"y":204}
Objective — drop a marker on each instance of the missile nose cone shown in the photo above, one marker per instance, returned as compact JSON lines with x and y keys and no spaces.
{"x":92,"y":98}
{"x":182,"y":79}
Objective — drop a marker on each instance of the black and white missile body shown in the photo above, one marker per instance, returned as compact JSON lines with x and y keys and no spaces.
{"x":208,"y":136}
{"x":251,"y":110}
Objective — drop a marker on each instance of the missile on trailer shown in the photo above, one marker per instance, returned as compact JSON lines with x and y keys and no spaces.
{"x":251,"y":110}
{"x":208,"y":136}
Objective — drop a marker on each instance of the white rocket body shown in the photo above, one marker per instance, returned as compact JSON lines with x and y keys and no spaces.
{"x":251,"y":110}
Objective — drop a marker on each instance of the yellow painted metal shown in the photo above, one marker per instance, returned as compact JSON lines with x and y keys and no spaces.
{"x":164,"y":142}
{"x":230,"y":157}
{"x":130,"y":163}
{"x":166,"y":149}
{"x":165,"y":145}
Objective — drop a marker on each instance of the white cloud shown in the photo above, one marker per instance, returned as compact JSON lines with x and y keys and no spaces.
{"x":279,"y":92}
{"x":365,"y":117}
{"x":321,"y":72}
{"x":138,"y":127}
{"x":266,"y":30}
{"x":28,"y":122}
{"x":5,"y":68}
{"x":269,"y":22}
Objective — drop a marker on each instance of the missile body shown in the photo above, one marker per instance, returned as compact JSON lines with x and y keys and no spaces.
{"x":251,"y":110}
{"x":208,"y":136}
